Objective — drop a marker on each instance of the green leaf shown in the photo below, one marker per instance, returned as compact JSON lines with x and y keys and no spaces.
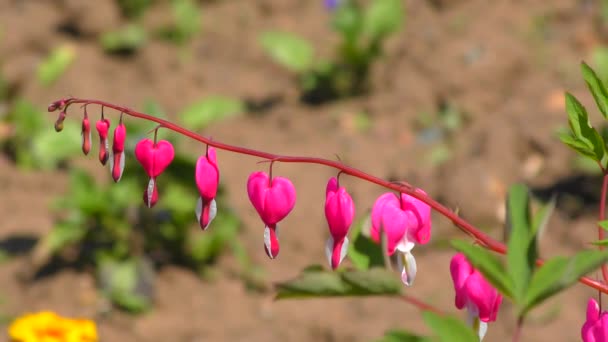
{"x":320,"y":283}
{"x":577,"y":145}
{"x":600,"y":243}
{"x":449,"y":329}
{"x":488,"y":264}
{"x":55,"y":64}
{"x":128,"y":283}
{"x":383,"y":17}
{"x":187,"y":16}
{"x":49,"y":148}
{"x":401,"y":336}
{"x":128,"y":39}
{"x":559,"y":273}
{"x":582,"y":130}
{"x":289,"y":50}
{"x":363,"y":252}
{"x":541,"y":218}
{"x":521,"y":251}
{"x":597,"y":88}
{"x":214,"y":108}
{"x":64,"y":234}
{"x":603,"y":224}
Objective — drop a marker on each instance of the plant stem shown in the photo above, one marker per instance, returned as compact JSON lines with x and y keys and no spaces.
{"x":600,"y":230}
{"x":401,"y":187}
{"x":518,"y":328}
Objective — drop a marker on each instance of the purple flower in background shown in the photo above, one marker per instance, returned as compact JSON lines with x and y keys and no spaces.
{"x":331,"y":4}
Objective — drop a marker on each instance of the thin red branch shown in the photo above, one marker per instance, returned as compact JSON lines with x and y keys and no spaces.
{"x":401,"y":187}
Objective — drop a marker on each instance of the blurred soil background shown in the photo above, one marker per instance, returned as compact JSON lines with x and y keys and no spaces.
{"x":466,"y":100}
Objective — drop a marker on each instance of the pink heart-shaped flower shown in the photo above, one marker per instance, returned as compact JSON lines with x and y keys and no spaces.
{"x":154,"y":158}
{"x":207,"y":175}
{"x":388,"y":218}
{"x":273,"y":199}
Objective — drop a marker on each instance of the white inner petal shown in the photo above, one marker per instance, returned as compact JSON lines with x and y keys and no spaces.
{"x":149,"y":191}
{"x":344,"y":249}
{"x":199,"y":209}
{"x":122,"y":164}
{"x":329,"y":247}
{"x":267,"y":241}
{"x":212,"y":211}
{"x":407,"y":264}
{"x":483,"y":329}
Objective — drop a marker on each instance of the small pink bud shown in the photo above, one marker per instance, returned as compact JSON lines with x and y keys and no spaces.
{"x":207,"y":177}
{"x":273,"y":199}
{"x":103,"y":127}
{"x":475,"y":293}
{"x":86,"y":135}
{"x":117,"y":163}
{"x":59,"y":104}
{"x":154,"y":158}
{"x":339,"y":211}
{"x":595,"y":328}
{"x":59,"y":122}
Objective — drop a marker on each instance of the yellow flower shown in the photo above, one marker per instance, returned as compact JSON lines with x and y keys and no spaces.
{"x":47,"y":326}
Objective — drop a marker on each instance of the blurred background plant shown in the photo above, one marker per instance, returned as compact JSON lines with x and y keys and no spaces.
{"x":363,"y":29}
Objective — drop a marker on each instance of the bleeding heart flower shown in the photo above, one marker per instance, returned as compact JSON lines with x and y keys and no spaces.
{"x":207,"y":177}
{"x":154,"y":157}
{"x":404,"y":221}
{"x":595,"y":328}
{"x":273,"y":199}
{"x":86,"y":134}
{"x":103,"y":126}
{"x":117,"y":162}
{"x":475,"y":293}
{"x":339,"y":211}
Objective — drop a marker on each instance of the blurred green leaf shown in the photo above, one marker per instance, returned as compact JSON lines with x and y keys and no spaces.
{"x":401,"y":336}
{"x":214,"y":108}
{"x":49,"y":148}
{"x":289,"y":50}
{"x":127,"y":39}
{"x":348,"y":20}
{"x":597,"y":88}
{"x":127,"y":283}
{"x":134,"y":8}
{"x":600,"y":61}
{"x":383,"y":17}
{"x":363,"y":252}
{"x":64,"y":234}
{"x":449,"y":329}
{"x":320,"y":283}
{"x":559,"y":273}
{"x":55,"y":64}
{"x":603,"y":224}
{"x":488,"y":264}
{"x":600,"y":243}
{"x":187,"y":19}
{"x":521,"y":251}
{"x":222,"y":232}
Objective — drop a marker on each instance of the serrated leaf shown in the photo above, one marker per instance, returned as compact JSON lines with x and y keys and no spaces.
{"x":55,"y":64}
{"x":401,"y":336}
{"x":521,"y":251}
{"x":320,"y":283}
{"x":211,"y":109}
{"x":289,"y":50}
{"x":488,"y":264}
{"x":559,"y":273}
{"x":582,"y":130}
{"x":449,"y":329}
{"x":577,"y":145}
{"x":383,"y":17}
{"x":597,"y":88}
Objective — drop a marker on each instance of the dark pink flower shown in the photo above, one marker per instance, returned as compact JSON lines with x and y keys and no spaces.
{"x":595,"y":328}
{"x":117,"y":162}
{"x":86,"y":134}
{"x":273,"y":199}
{"x":207,"y":177}
{"x":154,"y":157}
{"x":103,"y":127}
{"x":405,"y":221}
{"x":475,"y":293}
{"x":339,"y":211}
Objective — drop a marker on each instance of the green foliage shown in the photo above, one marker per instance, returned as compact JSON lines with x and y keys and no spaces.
{"x":316,"y":282}
{"x":363,"y":252}
{"x":32,"y":144}
{"x":449,"y":329}
{"x":55,"y":64}
{"x":363,"y":30}
{"x":125,"y":40}
{"x":200,"y":114}
{"x":127,"y":283}
{"x":186,"y":22}
{"x":401,"y":336}
{"x":133,"y":8}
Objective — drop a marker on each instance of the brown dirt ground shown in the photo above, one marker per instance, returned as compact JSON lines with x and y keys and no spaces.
{"x":505,"y":63}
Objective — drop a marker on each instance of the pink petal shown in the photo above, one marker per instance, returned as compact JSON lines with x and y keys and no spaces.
{"x":484,"y":296}
{"x":388,"y":217}
{"x":460,"y":269}
{"x":419,"y":218}
{"x":272,"y":201}
{"x":207,"y":175}
{"x":339,"y":211}
{"x":120,"y":135}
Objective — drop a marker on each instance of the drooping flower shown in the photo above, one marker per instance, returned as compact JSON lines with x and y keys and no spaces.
{"x":474,"y":292}
{"x":207,"y":176}
{"x":339,"y":211}
{"x":273,"y":199}
{"x":405,"y":221}
{"x":595,"y":328}
{"x":86,"y":134}
{"x":117,"y":162}
{"x":103,"y":127}
{"x":154,"y":157}
{"x":48,"y":326}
